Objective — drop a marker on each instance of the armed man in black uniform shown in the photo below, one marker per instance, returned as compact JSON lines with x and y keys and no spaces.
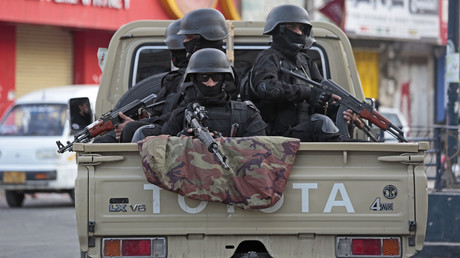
{"x":209,"y":71}
{"x":201,"y":28}
{"x":286,"y":103}
{"x":169,"y":85}
{"x":206,"y":28}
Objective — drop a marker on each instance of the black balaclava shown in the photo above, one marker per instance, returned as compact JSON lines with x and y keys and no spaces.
{"x":210,"y":95}
{"x":288,"y":42}
{"x":199,"y":42}
{"x":179,"y":58}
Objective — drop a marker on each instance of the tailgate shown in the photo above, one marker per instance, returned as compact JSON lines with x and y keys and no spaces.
{"x":346,"y":188}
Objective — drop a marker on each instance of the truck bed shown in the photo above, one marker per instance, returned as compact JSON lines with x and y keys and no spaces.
{"x":324,"y":196}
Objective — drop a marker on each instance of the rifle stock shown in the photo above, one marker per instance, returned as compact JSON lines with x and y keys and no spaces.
{"x":348,"y":101}
{"x":107,"y":122}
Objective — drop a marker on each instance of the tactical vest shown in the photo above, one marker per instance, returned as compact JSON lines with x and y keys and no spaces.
{"x":223,"y":121}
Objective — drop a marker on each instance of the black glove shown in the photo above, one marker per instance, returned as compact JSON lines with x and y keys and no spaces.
{"x":318,"y":97}
{"x":323,"y":98}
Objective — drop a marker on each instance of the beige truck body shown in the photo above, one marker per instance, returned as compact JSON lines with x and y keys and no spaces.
{"x":336,"y":191}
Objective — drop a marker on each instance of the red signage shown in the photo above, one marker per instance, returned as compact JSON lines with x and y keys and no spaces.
{"x":103,"y":14}
{"x":90,"y":14}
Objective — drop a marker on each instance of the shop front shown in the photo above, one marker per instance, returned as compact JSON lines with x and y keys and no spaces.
{"x":46,"y":43}
{"x":397,"y":45}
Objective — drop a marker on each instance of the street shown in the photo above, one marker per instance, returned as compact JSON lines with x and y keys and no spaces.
{"x":44,"y":227}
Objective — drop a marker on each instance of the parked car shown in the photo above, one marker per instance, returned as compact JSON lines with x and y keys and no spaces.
{"x":29,"y":161}
{"x":397,"y":118}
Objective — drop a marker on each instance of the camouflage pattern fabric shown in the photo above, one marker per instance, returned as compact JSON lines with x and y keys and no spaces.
{"x":259,"y":168}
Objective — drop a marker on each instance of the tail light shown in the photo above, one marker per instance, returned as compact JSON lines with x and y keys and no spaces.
{"x":368,"y":247}
{"x":134,"y":247}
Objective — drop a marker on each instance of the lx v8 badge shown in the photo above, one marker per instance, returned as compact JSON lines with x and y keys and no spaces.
{"x":127,"y":207}
{"x":122,"y":205}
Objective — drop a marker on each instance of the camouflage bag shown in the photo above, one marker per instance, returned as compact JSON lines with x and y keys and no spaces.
{"x":259,"y":168}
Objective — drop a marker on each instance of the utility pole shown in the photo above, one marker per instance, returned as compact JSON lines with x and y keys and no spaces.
{"x":452,"y":77}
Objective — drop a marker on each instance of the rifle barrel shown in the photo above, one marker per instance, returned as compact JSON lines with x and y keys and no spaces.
{"x":359,"y":107}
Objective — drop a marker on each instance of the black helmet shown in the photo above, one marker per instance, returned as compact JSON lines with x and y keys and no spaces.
{"x":206,"y":22}
{"x":310,"y":40}
{"x":286,"y":14}
{"x":209,"y":60}
{"x":172,"y":39}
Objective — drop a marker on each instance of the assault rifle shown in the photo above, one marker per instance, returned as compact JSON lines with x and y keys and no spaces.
{"x":108,"y":121}
{"x":348,"y":101}
{"x":196,"y":118}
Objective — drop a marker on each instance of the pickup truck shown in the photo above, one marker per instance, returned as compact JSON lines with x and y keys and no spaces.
{"x":346,"y":199}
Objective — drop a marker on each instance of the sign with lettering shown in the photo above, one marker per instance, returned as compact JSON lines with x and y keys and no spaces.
{"x":85,"y":14}
{"x":402,"y":19}
{"x":115,"y":4}
{"x":102,"y":14}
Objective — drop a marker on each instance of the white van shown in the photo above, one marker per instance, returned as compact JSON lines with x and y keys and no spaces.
{"x":29,"y":161}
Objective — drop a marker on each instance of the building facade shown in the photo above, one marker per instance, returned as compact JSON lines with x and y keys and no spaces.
{"x":399,"y":48}
{"x":46,"y":43}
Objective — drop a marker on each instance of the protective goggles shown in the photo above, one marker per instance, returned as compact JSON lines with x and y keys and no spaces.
{"x":204,"y":77}
{"x":304,"y":28}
